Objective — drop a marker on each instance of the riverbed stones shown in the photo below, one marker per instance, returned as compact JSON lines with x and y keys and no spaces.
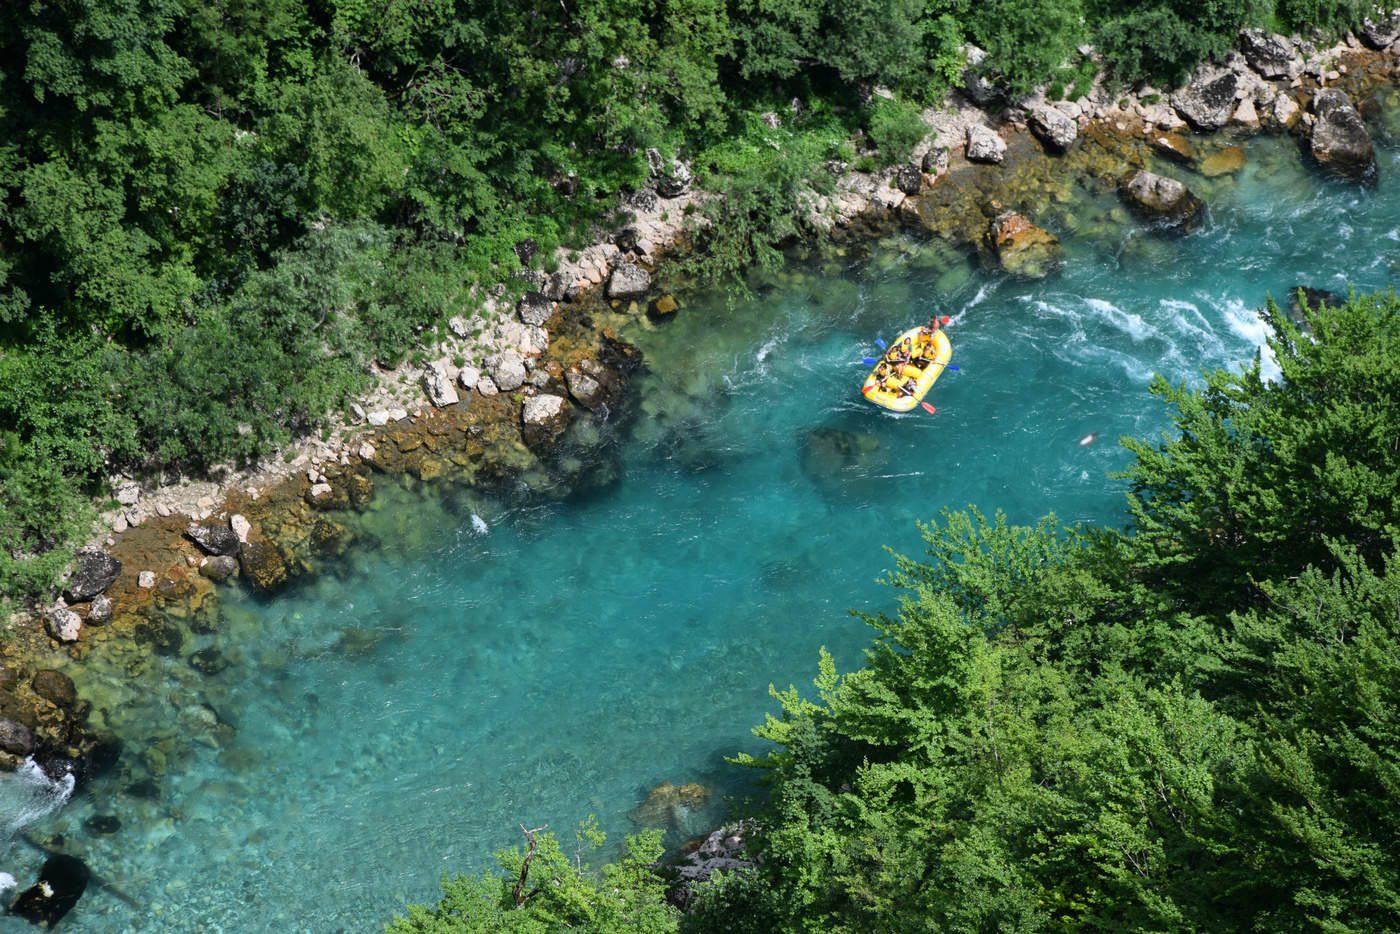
{"x":1270,"y":54}
{"x":214,"y":539}
{"x":984,"y":145}
{"x":63,"y":624}
{"x":1021,"y":248}
{"x":1340,"y":141}
{"x":585,"y":386}
{"x":1164,"y":203}
{"x":1208,"y":101}
{"x":628,"y":281}
{"x":94,"y":572}
{"x":1055,"y":130}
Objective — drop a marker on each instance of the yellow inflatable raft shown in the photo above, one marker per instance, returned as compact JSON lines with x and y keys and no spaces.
{"x":909,"y":368}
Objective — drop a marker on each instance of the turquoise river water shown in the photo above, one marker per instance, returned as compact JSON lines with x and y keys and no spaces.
{"x":546,"y":660}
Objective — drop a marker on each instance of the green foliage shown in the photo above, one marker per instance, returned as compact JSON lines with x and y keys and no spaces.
{"x":896,"y":127}
{"x":1026,"y":40}
{"x":1333,"y":17}
{"x":1263,"y":473}
{"x":1165,"y":39}
{"x":545,"y":890}
{"x":1042,"y":739}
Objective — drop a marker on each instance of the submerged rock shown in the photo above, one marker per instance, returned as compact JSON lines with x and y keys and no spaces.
{"x":1225,"y":161}
{"x":61,"y":883}
{"x":55,"y":687}
{"x":1163,"y":202}
{"x":262,"y":566}
{"x":15,"y":738}
{"x":1340,"y":141}
{"x":1021,"y":248}
{"x":667,"y":804}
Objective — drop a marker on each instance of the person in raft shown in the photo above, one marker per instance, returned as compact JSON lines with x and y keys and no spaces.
{"x":926,"y":340}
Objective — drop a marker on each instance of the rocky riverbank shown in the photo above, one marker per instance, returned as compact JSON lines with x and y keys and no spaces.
{"x":515,"y":396}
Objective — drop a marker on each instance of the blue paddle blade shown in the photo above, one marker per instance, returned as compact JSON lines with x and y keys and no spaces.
{"x":881,"y":344}
{"x":869,"y":361}
{"x":951,"y":367}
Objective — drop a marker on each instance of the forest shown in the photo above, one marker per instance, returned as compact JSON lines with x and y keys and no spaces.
{"x":202,"y":196}
{"x":1190,"y":724}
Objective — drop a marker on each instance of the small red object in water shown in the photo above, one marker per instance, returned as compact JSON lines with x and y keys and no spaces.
{"x":945,"y":319}
{"x":929,"y":407}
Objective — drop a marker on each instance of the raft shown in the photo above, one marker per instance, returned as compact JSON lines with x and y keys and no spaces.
{"x":885,"y":392}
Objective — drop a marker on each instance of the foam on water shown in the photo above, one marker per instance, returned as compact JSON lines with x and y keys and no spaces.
{"x":401,"y":715}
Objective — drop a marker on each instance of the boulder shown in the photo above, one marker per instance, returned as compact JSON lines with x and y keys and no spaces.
{"x":1208,"y":102}
{"x":1055,"y":130}
{"x":214,"y":539}
{"x":935,"y":160}
{"x":506,"y":370}
{"x":1340,"y":141}
{"x":1381,"y":29}
{"x":219,"y":568}
{"x":984,"y":145}
{"x":60,"y":884}
{"x":55,"y":687}
{"x":63,"y":624}
{"x":15,"y":738}
{"x":544,"y":418}
{"x":94,"y":573}
{"x":977,"y":88}
{"x":909,"y":179}
{"x":437,"y":385}
{"x":535,"y":308}
{"x":628,"y":281}
{"x":99,"y":610}
{"x":240,"y":525}
{"x":1163,"y":202}
{"x":1270,"y":54}
{"x":262,"y":566}
{"x":586,"y":390}
{"x":669,"y":182}
{"x":1021,"y":248}
{"x":1285,"y":111}
{"x":128,"y":493}
{"x":667,"y":804}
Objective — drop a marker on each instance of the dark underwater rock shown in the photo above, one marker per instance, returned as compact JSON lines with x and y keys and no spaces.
{"x":61,"y":883}
{"x":1021,"y":248}
{"x":55,"y":687}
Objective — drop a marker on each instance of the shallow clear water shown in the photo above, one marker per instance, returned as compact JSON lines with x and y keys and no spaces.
{"x":403,"y":717}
